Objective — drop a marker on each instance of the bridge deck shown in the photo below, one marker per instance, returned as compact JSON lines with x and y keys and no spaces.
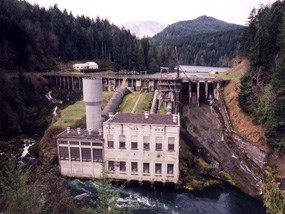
{"x":156,"y":76}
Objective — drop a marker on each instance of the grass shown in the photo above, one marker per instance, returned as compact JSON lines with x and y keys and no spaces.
{"x":128,"y":102}
{"x":106,"y":97}
{"x":74,"y":113}
{"x":71,"y":114}
{"x":144,"y":103}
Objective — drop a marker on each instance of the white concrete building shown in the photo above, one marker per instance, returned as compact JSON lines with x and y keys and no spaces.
{"x":143,"y":147}
{"x":80,"y":153}
{"x":87,"y":65}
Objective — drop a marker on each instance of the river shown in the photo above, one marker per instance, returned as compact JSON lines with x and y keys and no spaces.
{"x":223,"y":199}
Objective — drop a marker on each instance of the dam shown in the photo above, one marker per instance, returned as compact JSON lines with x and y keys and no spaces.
{"x":195,"y":88}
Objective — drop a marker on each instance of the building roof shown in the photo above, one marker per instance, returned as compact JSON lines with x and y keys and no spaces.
{"x":139,"y":118}
{"x":83,"y":135}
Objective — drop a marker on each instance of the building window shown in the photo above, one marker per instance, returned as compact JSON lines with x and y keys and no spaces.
{"x":86,"y":154}
{"x":111,"y":166}
{"x":158,"y":168}
{"x":146,"y":146}
{"x":122,"y":142}
{"x":170,"y":147}
{"x":122,"y":145}
{"x":110,"y":141}
{"x":170,"y":168}
{"x":134,"y":140}
{"x":134,"y":145}
{"x":63,"y":142}
{"x":74,"y":143}
{"x":158,"y":146}
{"x":110,"y":144}
{"x":63,"y":153}
{"x":74,"y":153}
{"x":146,"y":167}
{"x":97,"y":155}
{"x":171,"y":143}
{"x":96,"y":144}
{"x":122,"y":166}
{"x":134,"y":167}
{"x":85,"y":143}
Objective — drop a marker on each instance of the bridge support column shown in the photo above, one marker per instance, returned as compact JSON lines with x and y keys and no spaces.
{"x":72,"y":84}
{"x":151,"y":85}
{"x":198,"y":93}
{"x":64,"y":82}
{"x":80,"y":83}
{"x":68,"y":83}
{"x":109,"y":87}
{"x":206,"y":89}
{"x":217,"y":91}
{"x":138,"y":85}
{"x":190,"y":94}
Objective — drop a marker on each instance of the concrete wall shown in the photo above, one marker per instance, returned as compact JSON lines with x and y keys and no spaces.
{"x":140,"y":155}
{"x":79,"y":168}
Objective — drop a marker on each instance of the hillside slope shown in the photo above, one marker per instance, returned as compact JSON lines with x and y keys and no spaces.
{"x":200,"y":25}
{"x":202,"y":41}
{"x":242,"y":122}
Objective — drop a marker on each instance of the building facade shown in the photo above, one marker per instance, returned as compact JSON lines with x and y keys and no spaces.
{"x":87,"y":65}
{"x":143,"y":147}
{"x":80,"y":153}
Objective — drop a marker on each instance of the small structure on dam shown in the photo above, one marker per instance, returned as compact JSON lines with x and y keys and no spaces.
{"x":128,"y":146}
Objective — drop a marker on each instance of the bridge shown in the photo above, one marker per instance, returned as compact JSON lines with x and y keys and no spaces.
{"x":194,"y":86}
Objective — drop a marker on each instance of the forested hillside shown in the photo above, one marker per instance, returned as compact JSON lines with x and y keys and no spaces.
{"x":203,"y":41}
{"x":263,"y":87}
{"x":35,"y":39}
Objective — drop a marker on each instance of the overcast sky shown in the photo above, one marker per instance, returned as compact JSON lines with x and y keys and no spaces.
{"x":167,"y":11}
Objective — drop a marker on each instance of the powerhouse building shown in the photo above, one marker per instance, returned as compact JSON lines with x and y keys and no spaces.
{"x":128,"y":146}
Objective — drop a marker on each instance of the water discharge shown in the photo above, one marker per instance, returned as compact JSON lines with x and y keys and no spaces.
{"x":215,"y":200}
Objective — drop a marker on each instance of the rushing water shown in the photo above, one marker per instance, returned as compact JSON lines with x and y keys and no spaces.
{"x":215,"y":200}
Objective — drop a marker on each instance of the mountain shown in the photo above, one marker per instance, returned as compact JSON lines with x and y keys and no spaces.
{"x":145,"y":28}
{"x":202,"y":41}
{"x":200,"y":25}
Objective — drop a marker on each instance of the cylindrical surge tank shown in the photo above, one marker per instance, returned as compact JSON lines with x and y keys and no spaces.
{"x":92,"y":96}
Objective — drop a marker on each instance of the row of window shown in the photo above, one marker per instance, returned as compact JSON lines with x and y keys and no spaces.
{"x":136,"y":129}
{"x":134,"y":167}
{"x":134,"y":146}
{"x":65,"y":142}
{"x":146,"y":139}
{"x":86,"y":154}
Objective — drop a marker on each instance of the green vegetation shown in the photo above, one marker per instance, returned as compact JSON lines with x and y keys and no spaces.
{"x":128,"y":102}
{"x":193,"y":168}
{"x":202,"y":41}
{"x":37,"y":39}
{"x":226,"y":176}
{"x":71,"y":114}
{"x":107,"y":199}
{"x":106,"y":97}
{"x":273,"y":196}
{"x":262,"y":93}
{"x":145,"y":102}
{"x":24,"y":110}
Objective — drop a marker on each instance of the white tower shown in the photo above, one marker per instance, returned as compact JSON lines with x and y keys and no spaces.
{"x":92,"y":96}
